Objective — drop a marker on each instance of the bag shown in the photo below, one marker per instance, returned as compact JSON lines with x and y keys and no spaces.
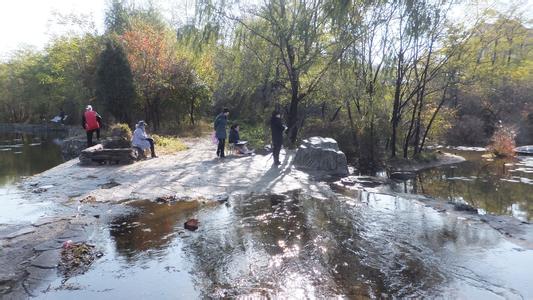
{"x":214,"y":138}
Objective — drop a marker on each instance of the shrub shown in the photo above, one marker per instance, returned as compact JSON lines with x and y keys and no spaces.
{"x":121,"y":130}
{"x":468,"y":130}
{"x":168,"y":144}
{"x":503,"y":141}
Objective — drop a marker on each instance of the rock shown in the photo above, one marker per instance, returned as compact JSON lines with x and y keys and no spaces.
{"x":109,"y":185}
{"x":116,"y":143}
{"x":404,"y":175}
{"x":72,"y":147}
{"x":321,"y":154}
{"x":98,"y":155}
{"x":464,"y":207}
{"x":20,"y":232}
{"x":165,"y":199}
{"x":191,"y":224}
{"x":46,"y":260}
{"x":88,"y":199}
{"x":47,"y":220}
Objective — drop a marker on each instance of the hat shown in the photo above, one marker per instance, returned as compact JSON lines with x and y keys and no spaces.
{"x":89,"y":107}
{"x":142,"y":123}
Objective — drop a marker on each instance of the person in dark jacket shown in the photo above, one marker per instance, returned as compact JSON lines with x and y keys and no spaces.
{"x":235,"y":139}
{"x":91,"y":122}
{"x":220,"y":124}
{"x":277,"y":127}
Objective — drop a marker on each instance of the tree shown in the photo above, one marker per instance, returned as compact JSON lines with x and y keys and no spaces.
{"x":114,"y":85}
{"x":299,"y":31}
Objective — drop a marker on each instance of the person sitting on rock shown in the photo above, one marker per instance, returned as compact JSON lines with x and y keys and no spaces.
{"x":234,"y":138}
{"x":141,"y":140}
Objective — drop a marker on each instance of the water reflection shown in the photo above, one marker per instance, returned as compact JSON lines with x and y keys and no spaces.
{"x":152,"y":227}
{"x":23,"y":155}
{"x":284,"y":246}
{"x":355,"y":245}
{"x":500,"y":186}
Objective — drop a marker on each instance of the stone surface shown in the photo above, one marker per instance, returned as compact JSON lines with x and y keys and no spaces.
{"x":321,"y":154}
{"x":98,"y":155}
{"x":20,"y":232}
{"x":72,"y":147}
{"x":116,"y":143}
{"x":191,"y":224}
{"x":47,"y":260}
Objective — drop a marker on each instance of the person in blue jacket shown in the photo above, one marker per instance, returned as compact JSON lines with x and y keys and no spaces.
{"x":220,"y":124}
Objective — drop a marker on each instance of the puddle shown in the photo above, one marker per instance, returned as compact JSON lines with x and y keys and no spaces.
{"x":292,"y":246}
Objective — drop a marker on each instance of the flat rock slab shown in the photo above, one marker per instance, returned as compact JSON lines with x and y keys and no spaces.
{"x":20,"y":232}
{"x":47,"y":260}
{"x":47,"y":220}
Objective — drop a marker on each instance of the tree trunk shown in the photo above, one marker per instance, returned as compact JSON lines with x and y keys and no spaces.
{"x":293,"y":113}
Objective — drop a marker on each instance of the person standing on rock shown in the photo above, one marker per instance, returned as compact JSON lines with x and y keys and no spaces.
{"x":220,"y":124}
{"x":91,"y":122}
{"x":277,"y":127}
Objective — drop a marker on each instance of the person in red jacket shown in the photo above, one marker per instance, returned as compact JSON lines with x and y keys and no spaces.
{"x":91,"y":122}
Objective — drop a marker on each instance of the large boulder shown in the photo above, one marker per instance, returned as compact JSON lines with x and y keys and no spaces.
{"x":323,"y":155}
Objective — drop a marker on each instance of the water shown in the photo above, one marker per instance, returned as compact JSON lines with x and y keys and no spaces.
{"x":366,"y":245}
{"x":497,"y":186}
{"x":23,"y":155}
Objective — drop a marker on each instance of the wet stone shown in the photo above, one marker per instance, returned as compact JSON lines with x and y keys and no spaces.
{"x":464,"y":207}
{"x":45,"y":221}
{"x":191,"y":224}
{"x":40,"y":273}
{"x":47,"y":260}
{"x":20,"y":232}
{"x":402,"y":175}
{"x":49,"y":245}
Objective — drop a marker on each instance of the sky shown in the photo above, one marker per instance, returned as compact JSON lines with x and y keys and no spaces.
{"x":32,"y":22}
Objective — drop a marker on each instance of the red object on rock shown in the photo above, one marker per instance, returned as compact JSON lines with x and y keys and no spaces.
{"x":191,"y":224}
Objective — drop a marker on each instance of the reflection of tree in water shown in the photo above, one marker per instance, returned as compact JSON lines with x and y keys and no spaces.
{"x":483,"y":184}
{"x":27,"y":155}
{"x":291,"y":245}
{"x":153,"y":227}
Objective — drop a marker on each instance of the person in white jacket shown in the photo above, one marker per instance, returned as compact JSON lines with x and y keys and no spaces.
{"x":141,"y":140}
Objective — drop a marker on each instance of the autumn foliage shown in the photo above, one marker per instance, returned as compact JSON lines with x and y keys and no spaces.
{"x":503,"y":141}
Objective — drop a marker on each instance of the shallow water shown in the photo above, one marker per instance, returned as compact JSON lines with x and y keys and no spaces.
{"x":23,"y":155}
{"x":292,"y":246}
{"x":498,"y":186}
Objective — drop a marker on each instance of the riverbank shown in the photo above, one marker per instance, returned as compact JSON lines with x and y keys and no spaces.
{"x":86,"y":200}
{"x":38,"y":129}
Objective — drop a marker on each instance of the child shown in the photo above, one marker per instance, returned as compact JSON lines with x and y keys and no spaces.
{"x":240,"y":146}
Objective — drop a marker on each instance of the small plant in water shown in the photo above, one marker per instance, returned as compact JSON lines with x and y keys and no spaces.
{"x":502,"y":142}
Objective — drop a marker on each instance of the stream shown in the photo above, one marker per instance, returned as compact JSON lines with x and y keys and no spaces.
{"x":353,"y":245}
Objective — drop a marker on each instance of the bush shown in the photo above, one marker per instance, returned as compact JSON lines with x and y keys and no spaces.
{"x":468,"y":130}
{"x":503,"y":141}
{"x":168,"y":144}
{"x":121,"y":130}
